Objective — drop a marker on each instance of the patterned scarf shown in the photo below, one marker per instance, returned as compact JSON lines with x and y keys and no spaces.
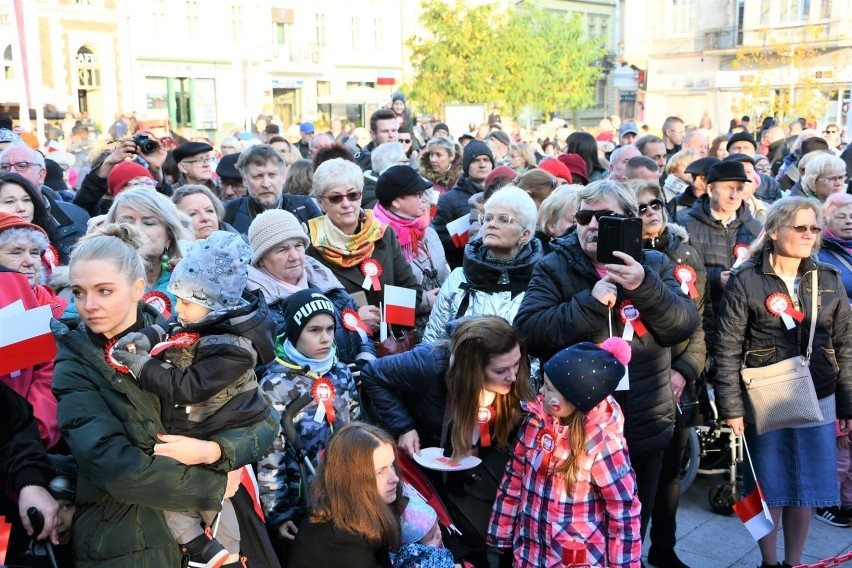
{"x":408,"y":231}
{"x":345,"y":250}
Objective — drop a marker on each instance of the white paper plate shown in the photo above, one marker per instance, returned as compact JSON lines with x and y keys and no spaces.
{"x":433,"y":458}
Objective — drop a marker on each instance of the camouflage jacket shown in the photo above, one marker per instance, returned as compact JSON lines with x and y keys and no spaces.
{"x":282,"y":490}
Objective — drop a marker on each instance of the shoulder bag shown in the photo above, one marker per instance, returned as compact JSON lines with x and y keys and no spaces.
{"x":782,"y":395}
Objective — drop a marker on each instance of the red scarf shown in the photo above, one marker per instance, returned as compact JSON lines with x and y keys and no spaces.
{"x":409,"y":232}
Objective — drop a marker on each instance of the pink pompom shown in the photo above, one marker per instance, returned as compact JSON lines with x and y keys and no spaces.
{"x":619,"y":348}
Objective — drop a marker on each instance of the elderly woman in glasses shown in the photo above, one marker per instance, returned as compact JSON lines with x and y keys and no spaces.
{"x":688,"y":358}
{"x":497,"y":265}
{"x":824,"y":175}
{"x":572,"y":298}
{"x":836,"y":246}
{"x":358,"y":248}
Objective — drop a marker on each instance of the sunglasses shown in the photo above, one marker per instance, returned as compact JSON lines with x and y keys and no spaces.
{"x":802,"y":229}
{"x":337,"y":198}
{"x":584,"y":217}
{"x":654,"y":205}
{"x":405,"y":140}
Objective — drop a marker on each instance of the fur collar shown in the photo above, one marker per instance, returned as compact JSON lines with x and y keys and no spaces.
{"x":445,"y":179}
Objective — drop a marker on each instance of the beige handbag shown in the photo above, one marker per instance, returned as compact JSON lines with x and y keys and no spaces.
{"x":782,"y":395}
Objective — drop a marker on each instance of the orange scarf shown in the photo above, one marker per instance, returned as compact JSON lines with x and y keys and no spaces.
{"x":345,"y":250}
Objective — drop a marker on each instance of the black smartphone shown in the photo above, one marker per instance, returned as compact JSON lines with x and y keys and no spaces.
{"x":619,"y":234}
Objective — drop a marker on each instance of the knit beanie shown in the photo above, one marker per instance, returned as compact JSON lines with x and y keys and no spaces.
{"x":505,"y":173}
{"x":474,"y":150}
{"x":213,"y":273}
{"x":557,"y":169}
{"x":586,"y":373}
{"x":271,"y":228}
{"x":121,"y":175}
{"x":300,"y":308}
{"x":418,"y":518}
{"x":398,"y":97}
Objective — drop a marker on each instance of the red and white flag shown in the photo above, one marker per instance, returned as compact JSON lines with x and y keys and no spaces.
{"x":25,"y":337}
{"x":754,"y":514}
{"x":459,"y":230}
{"x":249,"y":481}
{"x":399,"y":305}
{"x":752,"y":509}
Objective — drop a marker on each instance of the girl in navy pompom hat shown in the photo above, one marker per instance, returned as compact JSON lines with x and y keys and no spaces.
{"x":569,"y":494}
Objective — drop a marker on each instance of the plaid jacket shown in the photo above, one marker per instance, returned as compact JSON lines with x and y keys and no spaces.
{"x":535,"y":514}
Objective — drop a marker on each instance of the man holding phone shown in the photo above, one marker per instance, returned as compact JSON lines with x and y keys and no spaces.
{"x":573,"y":297}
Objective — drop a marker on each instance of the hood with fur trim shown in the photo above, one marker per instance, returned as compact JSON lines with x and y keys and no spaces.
{"x":445,"y":179}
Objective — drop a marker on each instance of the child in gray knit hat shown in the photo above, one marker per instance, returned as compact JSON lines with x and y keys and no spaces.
{"x":203,"y":370}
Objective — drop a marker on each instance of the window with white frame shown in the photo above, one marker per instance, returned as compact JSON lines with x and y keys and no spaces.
{"x":793,"y":11}
{"x":320,"y":26}
{"x":681,"y":17}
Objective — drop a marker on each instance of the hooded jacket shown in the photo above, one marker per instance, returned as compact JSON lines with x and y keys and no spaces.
{"x":750,"y":335}
{"x":451,"y":206}
{"x":350,"y":345}
{"x":210,"y":385}
{"x":482,"y":288}
{"x":559,"y":310}
{"x":535,"y":512}
{"x":111,"y":426}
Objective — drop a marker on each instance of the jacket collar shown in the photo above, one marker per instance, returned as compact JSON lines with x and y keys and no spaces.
{"x":806,"y":265}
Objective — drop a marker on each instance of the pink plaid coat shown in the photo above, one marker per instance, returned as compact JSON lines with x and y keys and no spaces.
{"x":536,"y":515}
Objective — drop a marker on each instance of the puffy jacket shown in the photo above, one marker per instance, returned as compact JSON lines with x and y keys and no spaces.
{"x":23,"y":460}
{"x":832,"y":248}
{"x":451,"y":206}
{"x":111,"y":426}
{"x":350,"y":345}
{"x":715,"y":242}
{"x":535,"y":513}
{"x":241,"y":212}
{"x":282,"y":489}
{"x":482,"y":288}
{"x":210,"y":385}
{"x":748,"y":334}
{"x":408,"y":391}
{"x":559,"y":310}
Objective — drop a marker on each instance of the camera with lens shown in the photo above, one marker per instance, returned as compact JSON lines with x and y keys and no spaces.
{"x":146,"y":144}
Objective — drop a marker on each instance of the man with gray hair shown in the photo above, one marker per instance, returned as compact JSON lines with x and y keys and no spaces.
{"x":697,"y":141}
{"x":619,"y":158}
{"x":262,"y":169}
{"x":70,"y":219}
{"x":641,"y":167}
{"x":381,"y":158}
{"x":320,"y":141}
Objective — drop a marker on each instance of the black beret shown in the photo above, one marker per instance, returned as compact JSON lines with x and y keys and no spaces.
{"x":741,"y":158}
{"x":227,"y":167}
{"x":739,"y":137}
{"x":184,"y":151}
{"x":701,"y":165}
{"x":399,"y":181}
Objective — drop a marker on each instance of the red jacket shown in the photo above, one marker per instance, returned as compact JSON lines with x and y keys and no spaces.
{"x":32,"y":383}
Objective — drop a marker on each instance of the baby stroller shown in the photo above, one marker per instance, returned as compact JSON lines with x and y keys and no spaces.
{"x":712,"y":449}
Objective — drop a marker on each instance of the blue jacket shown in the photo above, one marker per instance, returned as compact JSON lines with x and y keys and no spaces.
{"x":832,"y":248}
{"x":241,"y":212}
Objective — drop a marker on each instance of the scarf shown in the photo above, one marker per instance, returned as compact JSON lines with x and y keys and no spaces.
{"x":272,"y":288}
{"x":846,"y":244}
{"x":345,"y":250}
{"x":318,"y":366}
{"x":408,"y":231}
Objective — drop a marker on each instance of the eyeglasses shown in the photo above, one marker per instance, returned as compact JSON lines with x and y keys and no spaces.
{"x":206,"y":161}
{"x":351,"y":196}
{"x":20,"y":167}
{"x":226,"y":182}
{"x":584,"y":217}
{"x":802,"y":229}
{"x":833,"y":179}
{"x":654,"y":205}
{"x":499,"y":221}
{"x":141,"y":183}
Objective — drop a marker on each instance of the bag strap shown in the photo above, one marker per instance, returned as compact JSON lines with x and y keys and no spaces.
{"x":842,"y":260}
{"x":814,"y":286}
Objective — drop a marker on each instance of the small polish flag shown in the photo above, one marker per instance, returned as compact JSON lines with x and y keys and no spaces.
{"x":25,"y":337}
{"x":433,"y":200}
{"x":249,"y":481}
{"x":754,"y":514}
{"x":459,"y":230}
{"x":399,"y":305}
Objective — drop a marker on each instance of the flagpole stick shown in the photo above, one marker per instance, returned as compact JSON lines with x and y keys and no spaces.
{"x":748,"y":455}
{"x":383,"y":326}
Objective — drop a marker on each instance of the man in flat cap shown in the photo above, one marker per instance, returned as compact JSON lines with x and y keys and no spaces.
{"x":196,"y":162}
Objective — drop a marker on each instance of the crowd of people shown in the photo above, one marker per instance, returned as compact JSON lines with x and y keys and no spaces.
{"x":228,"y":390}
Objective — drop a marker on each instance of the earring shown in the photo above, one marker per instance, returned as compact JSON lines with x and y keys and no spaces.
{"x":165,"y":260}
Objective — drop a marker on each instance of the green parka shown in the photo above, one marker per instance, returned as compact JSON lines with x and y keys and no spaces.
{"x":111,"y":424}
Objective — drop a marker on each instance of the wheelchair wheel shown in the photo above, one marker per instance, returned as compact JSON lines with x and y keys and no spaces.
{"x":691,"y":459}
{"x":722,"y":499}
